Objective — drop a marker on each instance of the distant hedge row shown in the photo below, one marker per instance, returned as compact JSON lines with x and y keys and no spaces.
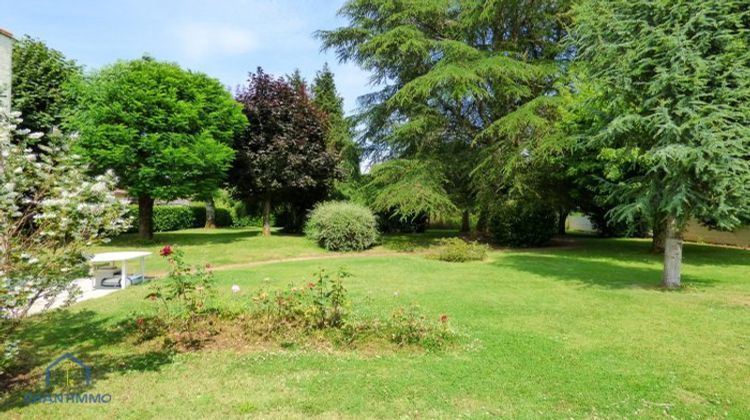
{"x":169,"y":218}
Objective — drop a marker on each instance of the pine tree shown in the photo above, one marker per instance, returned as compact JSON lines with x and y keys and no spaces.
{"x":298,"y":82}
{"x":339,"y":140}
{"x":674,"y":97}
{"x":475,"y":79}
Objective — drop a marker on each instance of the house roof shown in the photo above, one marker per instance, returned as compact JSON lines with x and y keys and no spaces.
{"x":6,"y":33}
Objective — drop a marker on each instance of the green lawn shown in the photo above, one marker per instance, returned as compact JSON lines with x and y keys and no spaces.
{"x":576,"y":331}
{"x":230,"y":247}
{"x":216,"y":246}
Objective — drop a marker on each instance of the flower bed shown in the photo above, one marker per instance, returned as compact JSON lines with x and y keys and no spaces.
{"x":187,"y":316}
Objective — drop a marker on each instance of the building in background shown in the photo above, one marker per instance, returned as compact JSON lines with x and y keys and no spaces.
{"x":6,"y":68}
{"x":694,"y":232}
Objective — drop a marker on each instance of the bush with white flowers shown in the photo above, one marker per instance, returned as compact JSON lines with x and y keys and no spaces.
{"x":50,"y":212}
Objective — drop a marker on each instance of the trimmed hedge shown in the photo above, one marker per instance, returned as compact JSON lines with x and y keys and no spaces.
{"x":223,"y":217}
{"x":342,"y":226}
{"x":170,"y":218}
{"x":523,"y":224}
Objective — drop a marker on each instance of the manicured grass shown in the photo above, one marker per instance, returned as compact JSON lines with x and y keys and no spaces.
{"x":216,"y":246}
{"x":578,"y":331}
{"x":227,"y":247}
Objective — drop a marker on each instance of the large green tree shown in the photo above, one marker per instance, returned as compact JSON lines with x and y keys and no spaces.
{"x":281,"y":156}
{"x":41,"y":77}
{"x":475,"y":79}
{"x":339,"y":140}
{"x":166,"y":132}
{"x":673,"y":81}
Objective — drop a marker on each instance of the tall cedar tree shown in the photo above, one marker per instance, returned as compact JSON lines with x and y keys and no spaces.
{"x":677,"y":73}
{"x":41,"y":78}
{"x":473,"y":79}
{"x":282,"y":154}
{"x":339,"y":137}
{"x":166,"y":132}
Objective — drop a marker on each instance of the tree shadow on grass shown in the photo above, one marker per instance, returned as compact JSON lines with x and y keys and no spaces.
{"x":701,"y":254}
{"x":587,"y":271}
{"x":413,"y":241}
{"x":640,"y":250}
{"x":193,"y":237}
{"x":91,"y":338}
{"x":183,"y":238}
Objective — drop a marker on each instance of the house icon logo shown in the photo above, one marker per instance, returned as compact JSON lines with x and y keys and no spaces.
{"x":76,"y":373}
{"x":67,"y":356}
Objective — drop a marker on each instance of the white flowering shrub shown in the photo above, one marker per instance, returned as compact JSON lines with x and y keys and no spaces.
{"x":50,"y":212}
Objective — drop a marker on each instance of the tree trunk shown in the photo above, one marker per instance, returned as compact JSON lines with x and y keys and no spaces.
{"x":145,"y":217}
{"x":562,"y":218}
{"x":659,"y":236}
{"x":672,"y":254}
{"x":465,"y":224}
{"x":210,"y":213}
{"x":482,"y":222}
{"x":267,"y":217}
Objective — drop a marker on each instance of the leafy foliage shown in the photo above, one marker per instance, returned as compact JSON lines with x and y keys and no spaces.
{"x":523,"y":223}
{"x":409,"y":326}
{"x":171,"y":218}
{"x":473,"y":79}
{"x":683,"y":69}
{"x":184,"y":300}
{"x":672,"y":83}
{"x":41,"y":84}
{"x":281,"y":155}
{"x":459,"y":250}
{"x":342,"y":226}
{"x":339,"y":131}
{"x":408,"y":188}
{"x":321,"y":303}
{"x":50,"y":212}
{"x":163,"y":130}
{"x":390,"y":222}
{"x":222,"y":216}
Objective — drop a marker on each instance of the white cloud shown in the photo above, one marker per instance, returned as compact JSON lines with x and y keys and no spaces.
{"x":199,"y":41}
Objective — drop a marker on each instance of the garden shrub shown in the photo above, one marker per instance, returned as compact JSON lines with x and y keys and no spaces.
{"x":523,"y":223}
{"x":170,"y":218}
{"x":459,"y":250}
{"x":342,"y":226}
{"x":223,"y":216}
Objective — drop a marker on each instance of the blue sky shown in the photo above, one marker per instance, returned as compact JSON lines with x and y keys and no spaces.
{"x":224,"y":38}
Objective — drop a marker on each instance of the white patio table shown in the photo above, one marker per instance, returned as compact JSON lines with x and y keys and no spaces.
{"x":123,"y":258}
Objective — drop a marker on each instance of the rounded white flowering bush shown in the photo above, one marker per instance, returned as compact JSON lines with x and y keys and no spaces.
{"x":51,"y":210}
{"x":342,"y":226}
